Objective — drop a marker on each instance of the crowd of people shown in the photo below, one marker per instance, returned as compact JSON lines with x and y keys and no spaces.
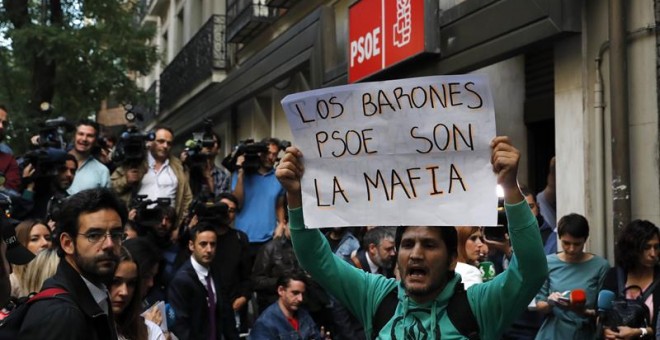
{"x":178,"y":246}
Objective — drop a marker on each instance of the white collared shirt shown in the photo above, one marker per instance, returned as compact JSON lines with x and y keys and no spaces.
{"x":372,"y":266}
{"x":161,"y":183}
{"x":202,"y":273}
{"x":100,"y":294}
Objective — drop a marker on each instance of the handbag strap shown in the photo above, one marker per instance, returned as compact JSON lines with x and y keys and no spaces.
{"x":621,"y":282}
{"x":650,"y":289}
{"x":622,"y":285}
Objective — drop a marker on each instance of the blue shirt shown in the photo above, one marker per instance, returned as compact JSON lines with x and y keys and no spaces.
{"x":258,"y":216}
{"x":90,"y":174}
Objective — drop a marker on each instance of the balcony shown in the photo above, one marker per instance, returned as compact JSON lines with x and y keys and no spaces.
{"x":247,"y":18}
{"x":282,"y":3}
{"x":204,"y":54}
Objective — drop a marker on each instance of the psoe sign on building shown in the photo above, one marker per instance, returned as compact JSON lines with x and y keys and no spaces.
{"x":383,"y":33}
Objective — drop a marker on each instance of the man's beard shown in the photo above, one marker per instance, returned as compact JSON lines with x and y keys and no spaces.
{"x":91,"y":270}
{"x":382,"y":263}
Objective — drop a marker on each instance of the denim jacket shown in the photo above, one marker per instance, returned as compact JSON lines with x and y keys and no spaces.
{"x":272,"y":324}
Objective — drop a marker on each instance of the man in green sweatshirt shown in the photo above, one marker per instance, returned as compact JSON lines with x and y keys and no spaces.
{"x":426,"y":259}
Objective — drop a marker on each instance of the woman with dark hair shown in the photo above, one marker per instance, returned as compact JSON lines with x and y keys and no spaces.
{"x":125,"y":302}
{"x":637,"y":250}
{"x":470,"y":251}
{"x":568,"y":297}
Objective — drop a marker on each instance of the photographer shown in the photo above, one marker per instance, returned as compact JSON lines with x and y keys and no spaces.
{"x":46,"y":191}
{"x":159,"y":175}
{"x":260,"y":196}
{"x":91,"y":173}
{"x":199,"y":156}
{"x":9,"y":173}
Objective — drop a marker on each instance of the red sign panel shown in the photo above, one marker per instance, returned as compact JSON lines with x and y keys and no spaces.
{"x":383,"y":33}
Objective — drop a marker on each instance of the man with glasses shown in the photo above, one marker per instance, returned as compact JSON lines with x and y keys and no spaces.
{"x":160,"y":175}
{"x":90,"y":232}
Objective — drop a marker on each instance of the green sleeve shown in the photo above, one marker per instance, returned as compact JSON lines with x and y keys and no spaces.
{"x":497,"y":303}
{"x":357,"y":290}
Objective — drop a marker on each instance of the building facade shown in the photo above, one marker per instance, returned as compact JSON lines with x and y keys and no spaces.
{"x":568,"y":79}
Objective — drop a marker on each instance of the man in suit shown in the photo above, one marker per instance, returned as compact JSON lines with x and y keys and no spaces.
{"x":378,"y":253}
{"x":195,"y":292}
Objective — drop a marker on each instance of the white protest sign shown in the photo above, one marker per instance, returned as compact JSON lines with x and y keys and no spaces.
{"x":403,"y":152}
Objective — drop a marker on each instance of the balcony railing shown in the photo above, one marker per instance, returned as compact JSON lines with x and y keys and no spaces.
{"x":282,"y":3}
{"x":247,"y":18}
{"x":205,"y":53}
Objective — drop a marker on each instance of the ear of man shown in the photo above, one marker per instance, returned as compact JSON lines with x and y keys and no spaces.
{"x":67,"y":244}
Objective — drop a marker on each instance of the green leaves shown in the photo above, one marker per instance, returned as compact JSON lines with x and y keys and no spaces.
{"x":73,"y":54}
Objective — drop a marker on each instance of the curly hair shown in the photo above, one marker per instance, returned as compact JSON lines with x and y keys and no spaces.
{"x":631,"y":242}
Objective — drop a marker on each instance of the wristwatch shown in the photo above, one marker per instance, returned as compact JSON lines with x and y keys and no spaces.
{"x":644,"y":332}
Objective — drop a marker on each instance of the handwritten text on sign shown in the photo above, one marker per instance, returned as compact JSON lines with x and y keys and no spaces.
{"x":404,"y":152}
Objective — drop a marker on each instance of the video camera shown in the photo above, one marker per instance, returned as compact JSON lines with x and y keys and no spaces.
{"x":50,"y":154}
{"x":131,"y":150}
{"x":250,"y":150}
{"x":149,"y":212}
{"x":215,"y":213}
{"x":199,"y":141}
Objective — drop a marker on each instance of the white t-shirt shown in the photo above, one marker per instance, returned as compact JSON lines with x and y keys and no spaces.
{"x":469,"y":274}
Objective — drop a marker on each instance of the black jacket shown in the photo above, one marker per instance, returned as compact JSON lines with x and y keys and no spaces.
{"x":274,"y":259}
{"x":188,"y":297}
{"x":233,"y":264}
{"x":68,"y":316}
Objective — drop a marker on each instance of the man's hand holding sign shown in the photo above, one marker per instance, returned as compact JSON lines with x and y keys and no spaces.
{"x":399,"y":157}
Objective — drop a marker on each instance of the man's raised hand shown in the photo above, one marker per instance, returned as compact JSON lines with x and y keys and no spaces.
{"x":505,"y":158}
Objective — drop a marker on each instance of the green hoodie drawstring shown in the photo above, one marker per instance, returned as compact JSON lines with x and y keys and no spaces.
{"x":406,"y":302}
{"x":433,"y":318}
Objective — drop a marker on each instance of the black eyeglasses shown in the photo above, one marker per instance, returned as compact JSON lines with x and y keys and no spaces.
{"x":117,"y":236}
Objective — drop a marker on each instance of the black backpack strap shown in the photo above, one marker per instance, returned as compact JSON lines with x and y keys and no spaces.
{"x":460,"y":314}
{"x":384,"y":312}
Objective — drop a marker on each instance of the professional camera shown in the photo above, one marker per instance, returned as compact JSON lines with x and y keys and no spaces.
{"x":52,"y":133}
{"x":149,"y":212}
{"x":215,"y":213}
{"x":199,"y":141}
{"x":131,"y":150}
{"x":250,"y":150}
{"x":50,"y":153}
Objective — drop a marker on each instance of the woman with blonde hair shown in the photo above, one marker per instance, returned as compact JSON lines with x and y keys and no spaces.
{"x":42,"y":267}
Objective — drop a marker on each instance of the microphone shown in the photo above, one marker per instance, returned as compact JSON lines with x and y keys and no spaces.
{"x":575,"y":297}
{"x":170,"y":315}
{"x":605,"y":298}
{"x":578,"y":297}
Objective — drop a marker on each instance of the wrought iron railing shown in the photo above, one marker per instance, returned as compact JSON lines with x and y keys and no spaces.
{"x":247,"y":18}
{"x":205,"y":53}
